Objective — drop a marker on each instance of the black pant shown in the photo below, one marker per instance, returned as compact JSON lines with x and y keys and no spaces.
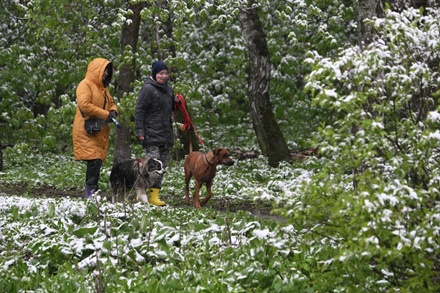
{"x":92,"y":173}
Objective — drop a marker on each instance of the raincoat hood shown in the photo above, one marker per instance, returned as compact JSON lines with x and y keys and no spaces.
{"x":95,"y":71}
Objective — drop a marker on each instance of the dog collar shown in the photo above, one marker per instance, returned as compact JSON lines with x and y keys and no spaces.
{"x":206,"y":159}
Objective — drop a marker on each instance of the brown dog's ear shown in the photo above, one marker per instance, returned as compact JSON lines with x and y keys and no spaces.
{"x":216,"y":151}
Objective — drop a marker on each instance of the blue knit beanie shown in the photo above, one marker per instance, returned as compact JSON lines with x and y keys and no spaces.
{"x":157,"y":67}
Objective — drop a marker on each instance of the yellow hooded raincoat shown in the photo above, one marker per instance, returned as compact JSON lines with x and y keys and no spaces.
{"x":90,"y":96}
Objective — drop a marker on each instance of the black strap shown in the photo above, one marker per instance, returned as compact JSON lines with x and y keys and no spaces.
{"x":105,"y":99}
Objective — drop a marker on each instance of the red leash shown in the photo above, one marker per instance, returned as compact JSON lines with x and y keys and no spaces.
{"x":187,"y":122}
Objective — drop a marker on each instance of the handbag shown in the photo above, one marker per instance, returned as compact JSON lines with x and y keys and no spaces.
{"x":94,"y":125}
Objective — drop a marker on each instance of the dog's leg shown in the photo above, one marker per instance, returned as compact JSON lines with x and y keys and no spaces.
{"x":188,"y":176}
{"x":197,"y":194}
{"x":208,"y":192}
{"x":141,"y":195}
{"x":114,"y":190}
{"x":187,"y":193}
{"x":115,"y":193}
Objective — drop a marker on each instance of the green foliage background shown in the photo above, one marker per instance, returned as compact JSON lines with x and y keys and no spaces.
{"x":44,"y":56}
{"x":375,"y":203}
{"x":369,"y":216}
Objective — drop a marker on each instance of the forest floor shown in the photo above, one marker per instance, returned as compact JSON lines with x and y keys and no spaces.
{"x":260,"y":209}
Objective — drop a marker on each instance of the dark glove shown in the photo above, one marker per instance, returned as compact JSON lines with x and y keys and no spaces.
{"x":111,"y":115}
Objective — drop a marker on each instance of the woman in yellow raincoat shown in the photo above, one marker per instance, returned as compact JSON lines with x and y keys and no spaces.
{"x":93,"y":102}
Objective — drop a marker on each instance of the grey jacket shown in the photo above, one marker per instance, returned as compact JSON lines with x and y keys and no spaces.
{"x":153,"y":114}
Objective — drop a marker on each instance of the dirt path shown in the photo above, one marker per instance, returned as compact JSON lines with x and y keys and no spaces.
{"x":259,"y":209}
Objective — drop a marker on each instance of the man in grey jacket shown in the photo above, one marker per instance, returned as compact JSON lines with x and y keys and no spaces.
{"x":153,"y":122}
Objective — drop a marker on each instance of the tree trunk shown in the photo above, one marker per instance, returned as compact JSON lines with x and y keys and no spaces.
{"x":163,"y":32}
{"x":1,"y":157}
{"x":367,"y":10}
{"x":267,"y":130}
{"x":127,"y":75}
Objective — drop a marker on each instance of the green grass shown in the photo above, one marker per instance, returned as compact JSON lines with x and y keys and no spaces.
{"x":72,"y":245}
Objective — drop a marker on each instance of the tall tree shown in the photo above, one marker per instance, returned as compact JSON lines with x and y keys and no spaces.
{"x":163,"y":31}
{"x":367,"y":10}
{"x":269,"y":135}
{"x":127,"y":73}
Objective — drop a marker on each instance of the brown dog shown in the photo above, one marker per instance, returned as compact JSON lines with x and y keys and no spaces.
{"x":203,"y":168}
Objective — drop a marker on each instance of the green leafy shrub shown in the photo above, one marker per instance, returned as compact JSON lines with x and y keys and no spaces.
{"x":374,"y":206}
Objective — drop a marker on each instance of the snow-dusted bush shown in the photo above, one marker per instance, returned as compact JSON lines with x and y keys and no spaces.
{"x":69,"y":245}
{"x":375,"y":204}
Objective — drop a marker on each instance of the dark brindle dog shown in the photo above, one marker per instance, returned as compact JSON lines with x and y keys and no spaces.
{"x":203,"y":167}
{"x":134,"y":174}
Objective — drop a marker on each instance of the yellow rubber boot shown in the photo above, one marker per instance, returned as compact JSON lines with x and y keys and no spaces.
{"x":154,"y":197}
